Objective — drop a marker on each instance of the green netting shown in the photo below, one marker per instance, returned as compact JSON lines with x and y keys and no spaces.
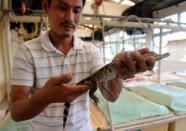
{"x":130,"y":107}
{"x":15,"y":126}
{"x":174,"y":98}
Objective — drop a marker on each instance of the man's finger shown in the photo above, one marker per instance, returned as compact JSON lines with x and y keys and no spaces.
{"x":60,"y":79}
{"x":129,"y":62}
{"x":143,"y":51}
{"x":140,"y":62}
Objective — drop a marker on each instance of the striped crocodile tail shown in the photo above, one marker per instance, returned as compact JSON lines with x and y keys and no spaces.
{"x":65,"y":114}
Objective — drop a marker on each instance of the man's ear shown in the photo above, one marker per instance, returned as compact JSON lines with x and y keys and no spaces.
{"x":45,"y":6}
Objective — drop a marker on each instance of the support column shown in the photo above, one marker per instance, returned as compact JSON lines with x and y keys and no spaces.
{"x":5,"y":4}
{"x":2,"y":66}
{"x":6,"y":54}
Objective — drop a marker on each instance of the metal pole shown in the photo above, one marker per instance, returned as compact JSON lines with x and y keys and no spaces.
{"x":179,"y":17}
{"x":116,"y":24}
{"x":103,"y":37}
{"x":134,"y":42}
{"x":96,"y":15}
{"x":108,"y":104}
{"x":160,"y":50}
{"x":149,"y":38}
{"x":117,"y":42}
{"x":143,"y":19}
{"x":93,"y":33}
{"x":123,"y":40}
{"x":110,"y":114}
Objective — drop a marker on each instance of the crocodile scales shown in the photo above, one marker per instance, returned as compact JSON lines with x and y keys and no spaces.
{"x":107,"y":72}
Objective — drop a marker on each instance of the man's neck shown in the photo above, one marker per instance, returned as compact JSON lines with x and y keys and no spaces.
{"x":64,"y":44}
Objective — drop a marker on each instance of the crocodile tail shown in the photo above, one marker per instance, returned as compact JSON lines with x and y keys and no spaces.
{"x":65,"y":113}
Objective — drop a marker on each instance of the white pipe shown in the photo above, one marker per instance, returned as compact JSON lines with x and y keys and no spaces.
{"x":119,"y":24}
{"x":123,"y":41}
{"x":108,"y":104}
{"x":110,"y":116}
{"x":118,"y":18}
{"x":160,"y":50}
{"x":103,"y":36}
{"x":131,"y":17}
{"x":117,"y":43}
{"x":149,"y":38}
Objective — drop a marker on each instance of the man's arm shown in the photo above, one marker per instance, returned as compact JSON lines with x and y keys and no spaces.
{"x":133,"y":63}
{"x":24,"y":107}
{"x":113,"y":90}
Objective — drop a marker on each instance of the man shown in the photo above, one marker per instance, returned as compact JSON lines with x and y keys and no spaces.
{"x":41,"y":84}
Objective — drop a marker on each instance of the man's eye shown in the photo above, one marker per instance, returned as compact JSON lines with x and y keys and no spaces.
{"x":77,"y":11}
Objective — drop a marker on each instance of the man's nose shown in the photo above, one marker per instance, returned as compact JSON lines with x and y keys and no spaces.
{"x":70,"y":15}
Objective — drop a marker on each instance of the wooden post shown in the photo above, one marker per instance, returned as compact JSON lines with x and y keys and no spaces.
{"x":5,"y":4}
{"x":2,"y":66}
{"x":6,"y":53}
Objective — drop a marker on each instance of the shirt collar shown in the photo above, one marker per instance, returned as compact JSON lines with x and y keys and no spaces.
{"x":48,"y":46}
{"x":46,"y":43}
{"x":77,"y":43}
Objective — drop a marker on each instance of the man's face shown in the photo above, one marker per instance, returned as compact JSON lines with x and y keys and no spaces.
{"x":64,"y":16}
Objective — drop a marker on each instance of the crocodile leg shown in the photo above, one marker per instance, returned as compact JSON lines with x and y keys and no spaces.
{"x":92,"y":91}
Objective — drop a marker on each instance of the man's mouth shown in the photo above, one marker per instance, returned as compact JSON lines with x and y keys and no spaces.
{"x":68,"y":26}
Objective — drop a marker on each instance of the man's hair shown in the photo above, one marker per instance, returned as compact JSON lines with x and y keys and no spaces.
{"x":49,"y":2}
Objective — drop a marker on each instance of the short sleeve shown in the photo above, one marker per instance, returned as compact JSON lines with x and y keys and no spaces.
{"x":22,"y":68}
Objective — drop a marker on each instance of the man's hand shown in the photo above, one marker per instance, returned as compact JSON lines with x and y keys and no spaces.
{"x":58,"y":89}
{"x":129,"y":63}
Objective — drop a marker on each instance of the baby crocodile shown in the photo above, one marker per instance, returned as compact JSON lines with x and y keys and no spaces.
{"x":107,"y":72}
